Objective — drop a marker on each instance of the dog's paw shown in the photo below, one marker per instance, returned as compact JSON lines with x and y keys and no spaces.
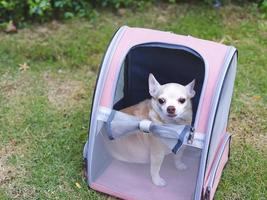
{"x":180,"y":166}
{"x":158,"y":181}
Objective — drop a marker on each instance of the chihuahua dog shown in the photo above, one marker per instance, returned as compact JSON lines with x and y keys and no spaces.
{"x":170,"y":103}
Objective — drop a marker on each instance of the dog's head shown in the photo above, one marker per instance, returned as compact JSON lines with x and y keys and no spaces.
{"x":170,"y":100}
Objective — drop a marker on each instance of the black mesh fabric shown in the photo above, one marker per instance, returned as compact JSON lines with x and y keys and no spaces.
{"x":177,"y":65}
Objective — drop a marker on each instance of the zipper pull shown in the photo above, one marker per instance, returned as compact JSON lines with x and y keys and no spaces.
{"x":207,"y":193}
{"x":191,"y":135}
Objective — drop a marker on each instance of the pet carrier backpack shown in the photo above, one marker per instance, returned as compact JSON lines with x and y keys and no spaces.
{"x":132,"y":55}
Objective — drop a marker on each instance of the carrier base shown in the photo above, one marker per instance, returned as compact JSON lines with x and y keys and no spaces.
{"x":133,"y":181}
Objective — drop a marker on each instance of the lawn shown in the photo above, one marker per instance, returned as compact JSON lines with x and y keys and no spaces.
{"x":45,"y":108}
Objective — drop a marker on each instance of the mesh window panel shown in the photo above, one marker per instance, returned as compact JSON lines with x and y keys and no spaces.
{"x":221,"y":117}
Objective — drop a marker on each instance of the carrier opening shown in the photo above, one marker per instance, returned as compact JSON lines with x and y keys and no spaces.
{"x":167,"y":62}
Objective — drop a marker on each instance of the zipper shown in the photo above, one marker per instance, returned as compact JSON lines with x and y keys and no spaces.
{"x":215,"y":168}
{"x":191,"y":135}
{"x":207,"y":194}
{"x":204,"y":158}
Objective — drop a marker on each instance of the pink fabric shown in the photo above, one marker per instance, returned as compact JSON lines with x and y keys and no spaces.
{"x":222,"y":139}
{"x":214,"y":54}
{"x":222,"y":163}
{"x":101,"y":188}
{"x":133,"y":181}
{"x":220,"y":169}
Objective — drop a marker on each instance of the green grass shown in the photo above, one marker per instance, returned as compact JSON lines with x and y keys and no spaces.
{"x":45,"y":110}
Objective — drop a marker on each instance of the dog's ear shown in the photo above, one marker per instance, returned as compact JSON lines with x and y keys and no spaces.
{"x":153,"y":85}
{"x":190,"y":88}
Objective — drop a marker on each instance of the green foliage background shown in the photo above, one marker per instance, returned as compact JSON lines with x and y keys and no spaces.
{"x":44,"y":10}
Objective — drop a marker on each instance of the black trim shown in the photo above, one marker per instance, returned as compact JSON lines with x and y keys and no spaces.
{"x":85,"y":168}
{"x":230,"y":142}
{"x":126,"y":77}
{"x":169,"y":46}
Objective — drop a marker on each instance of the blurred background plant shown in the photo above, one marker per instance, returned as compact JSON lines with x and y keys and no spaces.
{"x":42,"y":10}
{"x":21,"y":11}
{"x":263,"y":7}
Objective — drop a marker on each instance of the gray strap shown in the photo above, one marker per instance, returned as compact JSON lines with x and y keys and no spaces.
{"x":165,"y":131}
{"x":181,"y":139}
{"x":109,"y":120}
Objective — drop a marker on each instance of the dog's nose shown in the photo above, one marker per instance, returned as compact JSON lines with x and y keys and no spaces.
{"x":171,"y":109}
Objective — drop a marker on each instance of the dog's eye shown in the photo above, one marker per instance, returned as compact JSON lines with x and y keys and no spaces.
{"x":181,"y":100}
{"x":161,"y":100}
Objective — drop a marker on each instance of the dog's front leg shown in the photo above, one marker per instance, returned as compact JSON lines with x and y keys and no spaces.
{"x":156,"y":159}
{"x":178,"y":160}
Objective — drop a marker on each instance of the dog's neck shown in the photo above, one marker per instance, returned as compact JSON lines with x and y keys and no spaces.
{"x":157,"y":116}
